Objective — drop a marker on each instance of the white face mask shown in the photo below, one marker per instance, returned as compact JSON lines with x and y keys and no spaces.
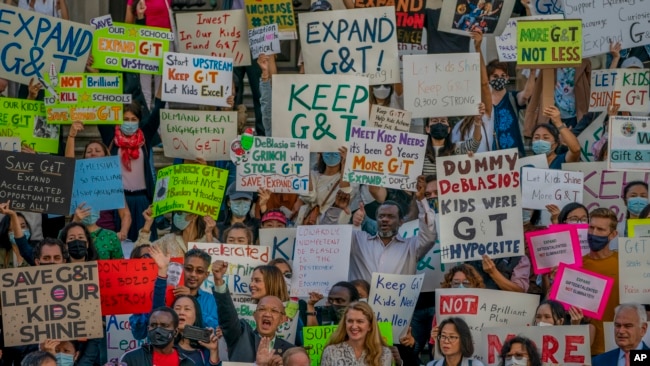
{"x":544,"y":324}
{"x":521,"y":362}
{"x":381,"y":92}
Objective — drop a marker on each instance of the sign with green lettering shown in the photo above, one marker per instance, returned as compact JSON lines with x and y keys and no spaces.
{"x":25,"y":119}
{"x":549,"y":43}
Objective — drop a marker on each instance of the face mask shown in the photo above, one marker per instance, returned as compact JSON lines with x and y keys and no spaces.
{"x":439,"y":131}
{"x":160,"y":337}
{"x":287,"y":281}
{"x":433,"y":204}
{"x":544,"y":324}
{"x":461,"y":286}
{"x":64,"y":359}
{"x":521,"y":362}
{"x":498,"y":83}
{"x":129,"y":128}
{"x":180,"y":221}
{"x":541,"y":147}
{"x":381,"y":92}
{"x":596,"y":242}
{"x":331,"y":159}
{"x":525,"y":216}
{"x":240,"y":208}
{"x":90,"y":219}
{"x":77,"y":249}
{"x":12,"y":238}
{"x":636,"y":204}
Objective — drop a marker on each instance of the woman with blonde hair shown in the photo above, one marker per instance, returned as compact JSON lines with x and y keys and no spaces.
{"x":357,"y":340}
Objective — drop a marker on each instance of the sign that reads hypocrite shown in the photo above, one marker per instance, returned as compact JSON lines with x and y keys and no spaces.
{"x":25,"y":119}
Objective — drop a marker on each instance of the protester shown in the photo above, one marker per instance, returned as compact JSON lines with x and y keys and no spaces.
{"x":635,"y":197}
{"x":519,"y":351}
{"x":630,"y":325}
{"x":238,"y":233}
{"x":546,"y":140}
{"x":339,"y":298}
{"x":106,"y":242}
{"x":296,"y":356}
{"x":9,"y":225}
{"x":238,"y":210}
{"x":455,"y":344}
{"x":39,"y":358}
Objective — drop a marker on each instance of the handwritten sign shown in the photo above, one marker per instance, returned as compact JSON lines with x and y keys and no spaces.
{"x":25,"y":119}
{"x":10,"y":144}
{"x":264,"y":40}
{"x":393,"y":298}
{"x":98,"y":183}
{"x":507,"y":42}
{"x":287,"y":330}
{"x":282,"y":242}
{"x":545,"y":7}
{"x":409,"y":14}
{"x":189,"y":134}
{"x":629,"y":143}
{"x":442,"y":85}
{"x":384,"y":158}
{"x":360,"y":42}
{"x":584,"y":289}
{"x":551,"y":247}
{"x":32,"y":42}
{"x":129,"y":47}
{"x":539,"y":187}
{"x":322,"y":258}
{"x":631,"y":90}
{"x":58,"y":301}
{"x":602,"y":90}
{"x":227,"y":35}
{"x":634,"y":262}
{"x":319,"y":108}
{"x":191,"y":188}
{"x":549,"y":43}
{"x":589,"y":136}
{"x":479,"y":198}
{"x":127,"y":285}
{"x":638,"y":228}
{"x":581,"y":229}
{"x":197,"y":79}
{"x":119,"y":338}
{"x":390,"y":118}
{"x":279,"y":12}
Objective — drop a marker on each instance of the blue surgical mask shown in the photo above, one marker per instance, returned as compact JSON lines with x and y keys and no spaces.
{"x":636,"y":204}
{"x":64,"y":359}
{"x":180,"y":221}
{"x":129,"y":128}
{"x":240,"y":208}
{"x":90,"y":219}
{"x":331,"y":158}
{"x":26,"y":233}
{"x":541,"y":147}
{"x":597,"y":242}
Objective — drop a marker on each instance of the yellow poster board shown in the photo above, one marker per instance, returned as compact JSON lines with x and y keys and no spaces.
{"x":549,"y":43}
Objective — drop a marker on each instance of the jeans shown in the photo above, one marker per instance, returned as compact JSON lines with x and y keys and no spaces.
{"x":421,"y":328}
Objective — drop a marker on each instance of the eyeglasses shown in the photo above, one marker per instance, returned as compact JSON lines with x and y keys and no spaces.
{"x":448,"y":339}
{"x":198,"y":271}
{"x":287,"y":275}
{"x":577,"y":220}
{"x":274,"y":312}
{"x":456,"y":284}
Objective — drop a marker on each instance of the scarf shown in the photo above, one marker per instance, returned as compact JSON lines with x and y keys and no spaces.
{"x":130,"y":146}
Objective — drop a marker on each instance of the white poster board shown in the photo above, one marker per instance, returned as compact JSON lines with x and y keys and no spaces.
{"x":10,"y":144}
{"x":634,"y":263}
{"x":389,"y":118}
{"x":602,"y":89}
{"x":119,"y":338}
{"x":264,"y":40}
{"x":282,"y":242}
{"x":629,"y":143}
{"x":393,"y":298}
{"x":540,"y":187}
{"x":631,"y":90}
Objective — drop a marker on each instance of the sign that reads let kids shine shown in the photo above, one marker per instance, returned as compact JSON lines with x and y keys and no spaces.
{"x":549,"y":43}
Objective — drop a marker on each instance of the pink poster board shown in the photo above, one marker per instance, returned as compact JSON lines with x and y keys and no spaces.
{"x":584,"y":289}
{"x":548,"y":248}
{"x":582,"y":235}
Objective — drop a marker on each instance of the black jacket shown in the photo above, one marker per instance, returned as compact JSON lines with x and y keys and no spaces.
{"x":143,"y":356}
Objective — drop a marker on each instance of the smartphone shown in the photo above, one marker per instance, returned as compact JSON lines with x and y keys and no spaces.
{"x":197,"y":334}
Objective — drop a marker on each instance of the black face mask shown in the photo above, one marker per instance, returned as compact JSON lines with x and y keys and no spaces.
{"x":77,"y":249}
{"x":160,"y":337}
{"x":333,"y":314}
{"x":439,"y":131}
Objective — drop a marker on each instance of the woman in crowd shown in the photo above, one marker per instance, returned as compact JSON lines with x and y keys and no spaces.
{"x":571,"y":213}
{"x":455,"y":344}
{"x":546,"y":140}
{"x":66,"y":352}
{"x":9,"y":251}
{"x":462,"y":276}
{"x":363,"y":287}
{"x":267,"y":280}
{"x":551,"y":312}
{"x":635,"y":196}
{"x":106,"y":242}
{"x":80,"y":243}
{"x":519,"y":351}
{"x":238,"y":211}
{"x":238,"y":233}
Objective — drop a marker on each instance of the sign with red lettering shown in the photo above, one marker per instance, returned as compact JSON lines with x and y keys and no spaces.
{"x":127,"y":285}
{"x":584,"y":289}
{"x":409,"y":15}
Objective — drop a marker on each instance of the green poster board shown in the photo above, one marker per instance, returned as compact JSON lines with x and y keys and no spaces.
{"x":549,"y":43}
{"x":25,"y":119}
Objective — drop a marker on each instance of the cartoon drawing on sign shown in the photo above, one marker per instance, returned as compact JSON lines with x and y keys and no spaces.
{"x":161,"y":193}
{"x":44,"y":130}
{"x":477,"y":16}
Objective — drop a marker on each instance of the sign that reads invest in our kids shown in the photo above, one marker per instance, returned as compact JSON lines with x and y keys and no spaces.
{"x":25,"y":119}
{"x":549,"y":43}
{"x":393,"y":298}
{"x":384,"y":158}
{"x":98,"y":184}
{"x":629,"y":143}
{"x":359,"y":42}
{"x":280,"y":12}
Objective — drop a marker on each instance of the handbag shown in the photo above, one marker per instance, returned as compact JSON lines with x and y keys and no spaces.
{"x":314,"y":213}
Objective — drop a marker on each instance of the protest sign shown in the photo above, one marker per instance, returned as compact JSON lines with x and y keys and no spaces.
{"x":319,"y":108}
{"x":629,"y":143}
{"x":98,"y":183}
{"x":546,"y":7}
{"x":534,"y":161}
{"x":264,"y":40}
{"x":322,"y":258}
{"x":34,"y":42}
{"x":602,"y":89}
{"x":130,"y":47}
{"x":282,"y":242}
{"x":581,"y":229}
{"x":566,"y":346}
{"x":631,"y":90}
{"x":279,"y":12}
{"x":360,"y":42}
{"x":227,"y":35}
{"x":404,"y":49}
{"x":280,"y":165}
{"x":610,"y":335}
{"x":409,"y":14}
{"x":384,"y":158}
{"x":549,"y":43}
{"x":589,"y":136}
{"x":463,"y":16}
{"x":539,"y":187}
{"x":634,"y":262}
{"x":127,"y":285}
{"x":189,"y":134}
{"x":119,"y":338}
{"x":25,"y":119}
{"x":389,"y":118}
{"x":191,"y":188}
{"x":287,"y":330}
{"x":480,"y":193}
{"x":548,"y":248}
{"x":101,"y":22}
{"x":10,"y":144}
{"x":197,"y":79}
{"x":57,"y":301}
{"x":638,"y":228}
{"x":393,"y":299}
{"x":442,"y":85}
{"x":584,"y":289}
{"x":36,"y":183}
{"x":507,"y":42}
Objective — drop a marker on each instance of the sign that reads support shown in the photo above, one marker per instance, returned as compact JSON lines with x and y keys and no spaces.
{"x":119,"y":338}
{"x":584,"y":289}
{"x":197,"y":79}
{"x":634,"y":262}
{"x":132,"y":48}
{"x":549,"y":43}
{"x":287,"y":330}
{"x":385,"y":158}
{"x":25,"y":119}
{"x":280,"y":165}
{"x":32,"y":42}
{"x":442,"y":85}
{"x":539,"y":187}
{"x":629,"y":143}
{"x":215,"y":33}
{"x":36,"y":183}
{"x":322,"y":258}
{"x":631,"y":90}
{"x":360,"y":42}
{"x":507,"y":42}
{"x":188,"y":134}
{"x":390,"y":118}
{"x":282,"y":241}
{"x":319,"y":108}
{"x":127,"y":285}
{"x":191,"y":188}
{"x":98,"y":183}
{"x":480,"y":201}
{"x":279,"y":12}
{"x":58,"y":301}
{"x":409,"y":14}
{"x":393,"y":299}
{"x":264,"y":40}
{"x":550,"y":247}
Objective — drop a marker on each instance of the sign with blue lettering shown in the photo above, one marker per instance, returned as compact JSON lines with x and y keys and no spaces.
{"x":393,"y":298}
{"x":119,"y":338}
{"x":281,"y":240}
{"x":629,"y":143}
{"x":98,"y":183}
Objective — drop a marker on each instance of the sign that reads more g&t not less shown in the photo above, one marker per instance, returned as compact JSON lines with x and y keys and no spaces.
{"x":549,"y":43}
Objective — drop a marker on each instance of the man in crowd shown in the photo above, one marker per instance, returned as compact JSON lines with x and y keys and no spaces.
{"x":630,"y":325}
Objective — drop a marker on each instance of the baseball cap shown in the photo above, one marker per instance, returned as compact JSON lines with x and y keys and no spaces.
{"x":321,"y":5}
{"x":274,"y":215}
{"x":233,"y":194}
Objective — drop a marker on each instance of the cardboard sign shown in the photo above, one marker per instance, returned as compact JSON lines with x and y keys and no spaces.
{"x":539,"y":187}
{"x":631,"y":90}
{"x":584,"y":289}
{"x":319,"y":108}
{"x":189,"y":134}
{"x":33,"y":42}
{"x":634,"y":262}
{"x":264,"y":40}
{"x":562,"y":345}
{"x":10,"y":144}
{"x":390,"y":118}
{"x":638,"y":228}
{"x":507,"y":42}
{"x":25,"y":119}
{"x":215,"y":33}
{"x":545,"y":7}
{"x":589,"y":136}
{"x":463,"y":16}
{"x":280,"y":165}
{"x":191,"y":188}
{"x":119,"y":338}
{"x":197,"y":79}
{"x":549,"y":43}
{"x":322,"y":258}
{"x":581,"y":229}
{"x":287,"y":330}
{"x":58,"y":301}
{"x":130,"y":47}
{"x":602,"y":90}
{"x":360,"y":42}
{"x":479,"y":198}
{"x":550,"y":247}
{"x":127,"y":285}
{"x":409,"y":14}
{"x":279,"y":12}
{"x":36,"y":183}
{"x":393,"y":298}
{"x":98,"y":183}
{"x":282,"y":242}
{"x":442,"y":85}
{"x":629,"y":143}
